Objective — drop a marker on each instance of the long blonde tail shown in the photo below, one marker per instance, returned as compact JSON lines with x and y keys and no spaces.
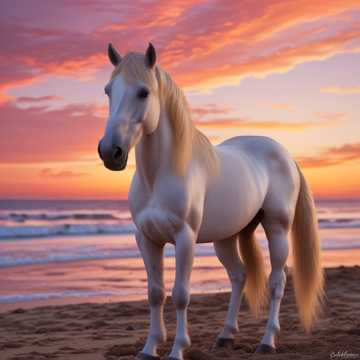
{"x":307,"y":273}
{"x":252,"y":257}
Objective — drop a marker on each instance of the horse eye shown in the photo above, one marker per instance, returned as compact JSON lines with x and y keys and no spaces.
{"x":143,"y":93}
{"x":107,"y":90}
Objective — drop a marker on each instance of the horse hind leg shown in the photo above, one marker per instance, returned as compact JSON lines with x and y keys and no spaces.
{"x":227,"y":252}
{"x":276,"y":233}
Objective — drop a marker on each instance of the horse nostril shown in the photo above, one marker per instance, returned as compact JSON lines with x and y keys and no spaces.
{"x":117,"y":153}
{"x":98,"y":149}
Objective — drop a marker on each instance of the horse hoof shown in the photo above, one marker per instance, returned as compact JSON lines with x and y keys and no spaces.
{"x":143,"y":356}
{"x":226,"y":343}
{"x":265,"y":349}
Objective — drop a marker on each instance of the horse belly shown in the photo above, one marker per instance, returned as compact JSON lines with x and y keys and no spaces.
{"x":233,"y":199}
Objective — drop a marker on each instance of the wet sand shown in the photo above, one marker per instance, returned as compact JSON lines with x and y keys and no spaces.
{"x":118,"y":330}
{"x":114,"y":280}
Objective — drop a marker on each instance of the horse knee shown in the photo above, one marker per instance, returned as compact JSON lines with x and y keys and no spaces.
{"x":237,"y":278}
{"x":277,"y":283}
{"x":156,"y":295}
{"x":181,"y":296}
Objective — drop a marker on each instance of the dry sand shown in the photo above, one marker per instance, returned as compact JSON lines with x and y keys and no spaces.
{"x":118,"y":330}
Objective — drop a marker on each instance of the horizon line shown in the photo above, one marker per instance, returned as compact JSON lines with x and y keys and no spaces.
{"x":316,"y":198}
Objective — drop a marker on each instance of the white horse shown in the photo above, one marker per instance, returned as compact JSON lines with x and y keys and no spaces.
{"x":186,"y":191}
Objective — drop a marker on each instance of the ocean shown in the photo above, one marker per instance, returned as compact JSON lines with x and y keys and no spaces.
{"x":65,"y":238}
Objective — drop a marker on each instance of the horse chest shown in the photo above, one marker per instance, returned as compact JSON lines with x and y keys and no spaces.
{"x":158,"y":224}
{"x":160,"y":213}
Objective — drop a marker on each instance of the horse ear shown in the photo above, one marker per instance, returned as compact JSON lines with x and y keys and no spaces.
{"x":150,"y":56}
{"x":114,"y":56}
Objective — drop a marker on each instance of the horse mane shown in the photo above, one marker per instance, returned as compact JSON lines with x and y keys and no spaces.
{"x":188,"y":141}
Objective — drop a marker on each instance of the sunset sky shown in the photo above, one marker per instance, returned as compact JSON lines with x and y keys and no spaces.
{"x":286,"y":69}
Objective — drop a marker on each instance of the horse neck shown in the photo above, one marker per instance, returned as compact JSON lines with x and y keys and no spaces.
{"x":153,"y":153}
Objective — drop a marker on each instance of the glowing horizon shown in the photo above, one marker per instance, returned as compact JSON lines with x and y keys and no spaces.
{"x":288,"y":70}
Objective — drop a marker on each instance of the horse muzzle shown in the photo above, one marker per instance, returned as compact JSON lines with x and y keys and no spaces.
{"x":114,"y":159}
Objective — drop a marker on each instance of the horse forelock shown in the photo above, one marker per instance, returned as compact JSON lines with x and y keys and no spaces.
{"x":133,"y":67}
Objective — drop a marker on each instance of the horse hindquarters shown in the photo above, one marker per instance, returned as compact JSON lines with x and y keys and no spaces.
{"x":279,"y":207}
{"x":299,"y":211}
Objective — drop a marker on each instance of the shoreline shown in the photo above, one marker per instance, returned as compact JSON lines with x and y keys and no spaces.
{"x":118,"y":330}
{"x":114,"y":280}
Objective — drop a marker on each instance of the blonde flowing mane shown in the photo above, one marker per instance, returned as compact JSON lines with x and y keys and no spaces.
{"x":187,"y":141}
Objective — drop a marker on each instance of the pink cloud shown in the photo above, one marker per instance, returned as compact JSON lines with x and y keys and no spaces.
{"x":38,"y":134}
{"x":202,"y":43}
{"x":34,"y":100}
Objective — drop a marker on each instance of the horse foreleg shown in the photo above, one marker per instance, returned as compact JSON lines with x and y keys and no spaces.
{"x":227,"y":252}
{"x":278,"y":248}
{"x":184,"y":253}
{"x":152,"y":254}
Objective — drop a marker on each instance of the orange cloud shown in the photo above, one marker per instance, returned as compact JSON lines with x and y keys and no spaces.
{"x":50,"y":173}
{"x":83,"y":67}
{"x":277,"y":106}
{"x":332,"y":156}
{"x":209,"y":109}
{"x":4,"y":98}
{"x":70,"y":179}
{"x":326,"y":119}
{"x":161,"y":14}
{"x":254,"y":23}
{"x":4,"y":87}
{"x":280,"y":61}
{"x":36,"y":99}
{"x":341,"y":90}
{"x":269,"y":125}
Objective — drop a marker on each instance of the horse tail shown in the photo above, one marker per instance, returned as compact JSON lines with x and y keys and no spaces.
{"x":307,"y":269}
{"x":251,"y":254}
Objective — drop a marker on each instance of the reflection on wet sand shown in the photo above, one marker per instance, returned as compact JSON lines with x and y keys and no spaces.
{"x":116,"y":279}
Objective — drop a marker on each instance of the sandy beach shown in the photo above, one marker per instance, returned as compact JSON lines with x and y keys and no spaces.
{"x":117,"y":330}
